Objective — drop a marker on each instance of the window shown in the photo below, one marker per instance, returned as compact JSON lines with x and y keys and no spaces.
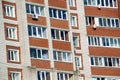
{"x":72,"y":3}
{"x":62,"y":56}
{"x":59,"y":35}
{"x":63,"y":76}
{"x":76,"y":41}
{"x":103,"y":22}
{"x":78,"y":61}
{"x":103,"y":3}
{"x":105,"y":61}
{"x":15,"y":75}
{"x":9,"y":10}
{"x":35,"y":9}
{"x":36,"y":31}
{"x":39,"y":53}
{"x":56,"y":13}
{"x":73,"y":21}
{"x":104,"y":41}
{"x":43,"y":75}
{"x":105,"y":78}
{"x":11,"y":32}
{"x":13,"y":55}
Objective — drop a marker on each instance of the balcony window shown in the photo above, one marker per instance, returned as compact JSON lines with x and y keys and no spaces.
{"x":37,"y":31}
{"x":43,"y":75}
{"x":58,"y":14}
{"x":59,"y":35}
{"x":62,"y":56}
{"x":35,"y":9}
{"x":102,"y":3}
{"x":39,"y":53}
{"x":105,"y":61}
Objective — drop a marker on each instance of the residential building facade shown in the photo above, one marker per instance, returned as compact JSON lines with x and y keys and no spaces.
{"x":60,"y":40}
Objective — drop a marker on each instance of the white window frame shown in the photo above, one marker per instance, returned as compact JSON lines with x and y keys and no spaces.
{"x":57,"y":14}
{"x":13,"y":53}
{"x":43,"y":33}
{"x":77,"y":39}
{"x":59,"y":36}
{"x":72,"y":3}
{"x":9,"y":10}
{"x":15,"y":75}
{"x":102,"y":5}
{"x":78,"y":62}
{"x":43,"y":73}
{"x":40,"y":8}
{"x":63,"y":75}
{"x":64,"y":58}
{"x":104,"y":41}
{"x":11,"y":32}
{"x":104,"y":24}
{"x":115,"y":63}
{"x":73,"y":21}
{"x":42,"y":56}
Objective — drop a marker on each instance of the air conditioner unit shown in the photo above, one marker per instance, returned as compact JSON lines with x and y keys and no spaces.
{"x":94,"y":26}
{"x":35,"y":17}
{"x":99,"y":6}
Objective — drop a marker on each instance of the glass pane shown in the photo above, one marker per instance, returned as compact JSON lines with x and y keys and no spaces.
{"x":59,"y":13}
{"x":38,"y":75}
{"x":27,"y":8}
{"x":39,"y":53}
{"x":85,"y":2}
{"x":44,"y":54}
{"x":37,"y":10}
{"x":50,"y":12}
{"x":92,"y":61}
{"x":54,"y":55}
{"x":108,"y":22}
{"x":117,"y":23}
{"x":33,"y":52}
{"x":53,"y":33}
{"x":32,"y":9}
{"x":64,"y":15}
{"x":100,"y":22}
{"x":55,"y":13}
{"x":34,"y":31}
{"x":44,"y":32}
{"x":105,"y":61}
{"x":39,"y":32}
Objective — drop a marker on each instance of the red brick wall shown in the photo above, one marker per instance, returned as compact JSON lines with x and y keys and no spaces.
{"x":102,"y":51}
{"x":105,"y":71}
{"x":59,"y":23}
{"x":38,"y":42}
{"x":119,"y":8}
{"x":58,"y":3}
{"x":107,"y":12}
{"x":61,"y":45}
{"x":36,"y":1}
{"x":41,"y":20}
{"x":63,"y":66}
{"x":40,"y":63}
{"x":103,"y":31}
